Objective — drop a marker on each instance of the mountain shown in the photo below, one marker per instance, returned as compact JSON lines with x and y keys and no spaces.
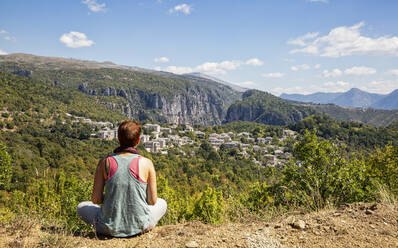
{"x":352,"y":98}
{"x":137,"y":93}
{"x":204,"y":76}
{"x":388,"y":102}
{"x":318,"y":97}
{"x":357,"y":98}
{"x":369,"y":116}
{"x":143,"y":94}
{"x":265,"y":108}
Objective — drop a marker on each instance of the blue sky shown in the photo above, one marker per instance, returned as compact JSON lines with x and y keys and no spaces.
{"x":291,"y":46}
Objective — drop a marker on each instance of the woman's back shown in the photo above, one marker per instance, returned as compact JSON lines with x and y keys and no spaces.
{"x":125,"y":211}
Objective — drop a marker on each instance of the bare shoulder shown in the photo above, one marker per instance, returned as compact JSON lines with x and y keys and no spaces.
{"x":102,"y":162}
{"x":146,"y":162}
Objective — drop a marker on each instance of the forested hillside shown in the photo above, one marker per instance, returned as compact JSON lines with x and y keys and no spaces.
{"x":265,"y":108}
{"x":369,"y":116}
{"x":146,"y":95}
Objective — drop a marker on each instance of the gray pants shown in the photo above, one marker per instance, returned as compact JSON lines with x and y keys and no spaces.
{"x":88,"y":212}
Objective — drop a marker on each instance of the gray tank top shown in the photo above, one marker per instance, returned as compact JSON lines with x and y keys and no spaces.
{"x":125,"y":211}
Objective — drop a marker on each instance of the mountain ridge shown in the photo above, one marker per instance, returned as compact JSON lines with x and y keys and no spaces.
{"x":351,"y":98}
{"x":185,"y":99}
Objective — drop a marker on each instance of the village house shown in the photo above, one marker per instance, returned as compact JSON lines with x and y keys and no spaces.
{"x":225,"y":137}
{"x":107,"y":134}
{"x":232,"y":144}
{"x":155,"y":134}
{"x":244,"y":134}
{"x":199,"y":134}
{"x":188,"y":127}
{"x":152,"y":127}
{"x":288,"y":132}
{"x":216,"y":142}
{"x":145,"y":138}
{"x":152,"y":146}
{"x":165,"y":130}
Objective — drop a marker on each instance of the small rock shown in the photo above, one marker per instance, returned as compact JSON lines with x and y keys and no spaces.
{"x":373,"y":207}
{"x":368,"y":212}
{"x":277,"y":226}
{"x":180,"y":234}
{"x":224,"y":239}
{"x":299,"y":224}
{"x":192,"y":244}
{"x":316,"y":232}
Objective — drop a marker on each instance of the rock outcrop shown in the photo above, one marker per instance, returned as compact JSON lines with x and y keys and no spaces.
{"x":197,"y":105}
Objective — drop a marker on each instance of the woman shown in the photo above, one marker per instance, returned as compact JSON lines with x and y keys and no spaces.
{"x":130,"y":205}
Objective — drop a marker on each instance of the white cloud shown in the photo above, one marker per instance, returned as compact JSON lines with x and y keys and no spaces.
{"x":94,"y":5}
{"x":346,"y":41}
{"x":213,"y":68}
{"x":302,"y":67}
{"x":338,"y":83}
{"x":10,"y":38}
{"x":161,"y":60}
{"x":291,"y":90}
{"x":273,"y":75}
{"x":356,"y":70}
{"x":381,"y":87}
{"x":302,"y":40}
{"x":360,"y":70}
{"x":183,"y":8}
{"x":333,"y":73}
{"x":75,"y":40}
{"x":254,"y":62}
{"x":7,"y":36}
{"x":393,"y":72}
{"x":3,"y":52}
{"x":176,"y":69}
{"x":317,"y":66}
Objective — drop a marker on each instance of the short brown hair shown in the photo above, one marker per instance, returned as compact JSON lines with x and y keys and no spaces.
{"x":128,"y":133}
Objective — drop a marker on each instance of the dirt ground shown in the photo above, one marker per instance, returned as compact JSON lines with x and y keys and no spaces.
{"x":353,"y":225}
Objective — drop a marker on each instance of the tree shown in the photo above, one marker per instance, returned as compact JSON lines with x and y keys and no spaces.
{"x":5,"y":168}
{"x":210,"y":206}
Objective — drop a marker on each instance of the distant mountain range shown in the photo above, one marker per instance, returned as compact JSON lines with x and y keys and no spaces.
{"x":195,"y":98}
{"x":352,"y":98}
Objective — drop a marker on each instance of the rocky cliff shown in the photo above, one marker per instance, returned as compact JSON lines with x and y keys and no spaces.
{"x":197,"y":105}
{"x":138,"y":94}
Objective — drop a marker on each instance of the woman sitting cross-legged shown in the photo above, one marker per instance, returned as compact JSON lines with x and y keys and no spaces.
{"x":130,"y":205}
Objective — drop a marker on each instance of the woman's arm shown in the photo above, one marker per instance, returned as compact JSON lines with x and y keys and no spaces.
{"x":151,"y":190}
{"x":99,"y":182}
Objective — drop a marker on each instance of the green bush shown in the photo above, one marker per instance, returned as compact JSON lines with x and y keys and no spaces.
{"x":320,"y":176}
{"x":209,"y":207}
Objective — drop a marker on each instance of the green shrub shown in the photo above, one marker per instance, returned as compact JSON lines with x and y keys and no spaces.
{"x":209,"y":207}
